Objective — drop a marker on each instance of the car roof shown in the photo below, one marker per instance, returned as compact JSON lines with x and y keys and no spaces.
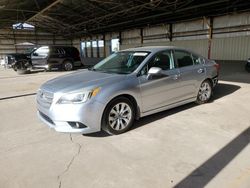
{"x":155,"y":48}
{"x":57,"y":46}
{"x":16,"y":54}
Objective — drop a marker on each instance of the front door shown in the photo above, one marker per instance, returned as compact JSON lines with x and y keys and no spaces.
{"x":163,"y":91}
{"x":39,"y":56}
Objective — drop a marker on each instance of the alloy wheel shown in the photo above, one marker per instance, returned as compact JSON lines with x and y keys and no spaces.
{"x":120,"y":116}
{"x":68,"y":66}
{"x":205,"y":92}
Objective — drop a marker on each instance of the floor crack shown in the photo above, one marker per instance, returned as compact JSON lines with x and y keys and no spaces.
{"x":59,"y":177}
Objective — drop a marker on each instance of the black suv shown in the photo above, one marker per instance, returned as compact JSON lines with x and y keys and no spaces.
{"x":50,"y":57}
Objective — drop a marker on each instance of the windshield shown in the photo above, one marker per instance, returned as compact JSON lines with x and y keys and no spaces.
{"x":121,"y":62}
{"x":30,"y":50}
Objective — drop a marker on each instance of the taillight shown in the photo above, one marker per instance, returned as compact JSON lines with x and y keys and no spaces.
{"x":217,"y":66}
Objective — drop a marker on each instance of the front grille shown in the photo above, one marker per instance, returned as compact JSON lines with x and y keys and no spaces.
{"x":44,"y":98}
{"x":46,"y":118}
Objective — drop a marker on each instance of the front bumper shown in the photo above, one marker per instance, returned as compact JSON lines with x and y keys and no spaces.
{"x":61,"y":116}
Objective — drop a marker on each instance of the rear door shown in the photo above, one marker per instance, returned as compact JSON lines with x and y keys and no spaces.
{"x":192,"y":72}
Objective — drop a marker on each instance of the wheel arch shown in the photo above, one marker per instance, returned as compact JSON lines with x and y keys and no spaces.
{"x":210,"y":81}
{"x":132,"y":99}
{"x":68,"y":59}
{"x":21,"y":64}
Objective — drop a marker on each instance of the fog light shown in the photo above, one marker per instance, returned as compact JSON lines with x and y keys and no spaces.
{"x":77,"y":125}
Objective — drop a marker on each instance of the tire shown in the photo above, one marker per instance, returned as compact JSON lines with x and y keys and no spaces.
{"x":22,"y":71}
{"x":247,"y":67}
{"x":47,"y":70}
{"x":68,"y":65}
{"x":205,"y":92}
{"x":114,"y":121}
{"x":22,"y":67}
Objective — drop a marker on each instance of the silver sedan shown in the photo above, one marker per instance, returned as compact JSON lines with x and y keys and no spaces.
{"x":126,"y":86}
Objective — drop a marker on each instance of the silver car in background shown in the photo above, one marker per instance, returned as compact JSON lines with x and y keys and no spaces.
{"x":125,"y":86}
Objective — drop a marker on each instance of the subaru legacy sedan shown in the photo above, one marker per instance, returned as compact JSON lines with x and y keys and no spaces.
{"x":125,"y":86}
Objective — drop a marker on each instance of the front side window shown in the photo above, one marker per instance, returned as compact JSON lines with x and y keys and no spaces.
{"x":183,"y":58}
{"x":42,"y":51}
{"x":121,"y":62}
{"x":163,"y":60}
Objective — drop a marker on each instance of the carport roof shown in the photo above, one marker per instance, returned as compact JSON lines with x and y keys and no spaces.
{"x":86,"y":17}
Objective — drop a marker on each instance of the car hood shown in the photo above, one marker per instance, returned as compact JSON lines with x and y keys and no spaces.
{"x":81,"y":80}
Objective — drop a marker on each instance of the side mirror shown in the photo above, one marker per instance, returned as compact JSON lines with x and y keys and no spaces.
{"x":35,"y":54}
{"x":155,"y":72}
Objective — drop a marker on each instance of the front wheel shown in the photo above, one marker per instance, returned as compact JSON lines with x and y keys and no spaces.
{"x":22,"y":67}
{"x":205,"y":92}
{"x":118,"y":116}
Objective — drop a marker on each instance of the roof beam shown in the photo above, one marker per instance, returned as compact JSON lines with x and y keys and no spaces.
{"x":37,"y":4}
{"x":44,"y":10}
{"x":95,"y":4}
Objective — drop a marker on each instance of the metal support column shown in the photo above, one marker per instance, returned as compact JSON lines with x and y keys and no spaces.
{"x":14,"y":38}
{"x":91,"y":47}
{"x":170,"y":36}
{"x":97,"y":47}
{"x":104,"y":45}
{"x":141,"y":36}
{"x":210,"y":35}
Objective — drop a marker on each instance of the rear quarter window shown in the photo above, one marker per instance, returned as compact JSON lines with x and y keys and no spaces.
{"x":197,"y":59}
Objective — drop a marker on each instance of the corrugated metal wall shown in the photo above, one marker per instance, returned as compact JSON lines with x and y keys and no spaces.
{"x":230,"y":38}
{"x":231,"y":48}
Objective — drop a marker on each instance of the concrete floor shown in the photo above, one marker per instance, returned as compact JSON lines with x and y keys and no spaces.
{"x":190,"y":146}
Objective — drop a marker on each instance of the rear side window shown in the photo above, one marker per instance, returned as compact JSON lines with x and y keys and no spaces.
{"x":183,"y":58}
{"x":61,"y":51}
{"x":197,"y":60}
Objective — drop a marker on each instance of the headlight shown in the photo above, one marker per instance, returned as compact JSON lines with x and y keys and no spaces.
{"x":79,"y":97}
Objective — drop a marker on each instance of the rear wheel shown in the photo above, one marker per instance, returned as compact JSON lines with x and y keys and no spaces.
{"x":205,"y":92}
{"x":118,"y":116}
{"x":68,"y":65}
{"x":247,"y":67}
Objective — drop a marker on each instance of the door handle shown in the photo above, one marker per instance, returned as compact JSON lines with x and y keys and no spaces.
{"x":201,"y":71}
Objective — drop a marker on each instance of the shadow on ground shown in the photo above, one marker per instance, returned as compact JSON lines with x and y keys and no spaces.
{"x":202,"y":175}
{"x":224,"y":89}
{"x":221,"y":90}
